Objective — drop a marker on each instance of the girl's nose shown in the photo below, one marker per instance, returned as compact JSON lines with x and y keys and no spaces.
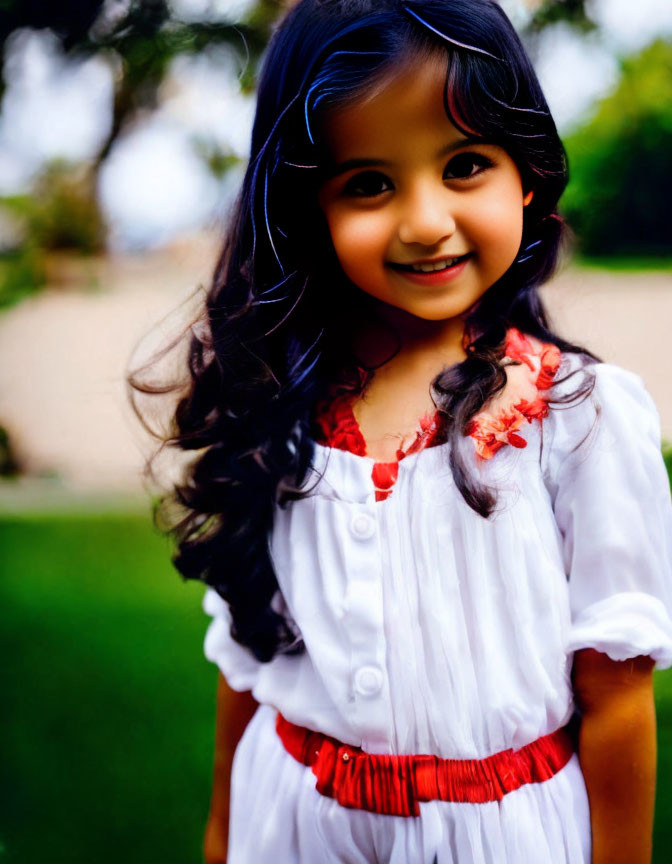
{"x":427,"y":217}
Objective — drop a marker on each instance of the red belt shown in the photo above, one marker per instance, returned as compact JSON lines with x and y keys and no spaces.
{"x":394,"y":785}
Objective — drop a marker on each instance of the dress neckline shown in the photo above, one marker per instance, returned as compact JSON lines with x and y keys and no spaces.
{"x":530,"y":367}
{"x":339,"y":428}
{"x":427,"y":432}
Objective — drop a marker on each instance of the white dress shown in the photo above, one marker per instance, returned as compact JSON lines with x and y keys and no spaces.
{"x":431,"y":630}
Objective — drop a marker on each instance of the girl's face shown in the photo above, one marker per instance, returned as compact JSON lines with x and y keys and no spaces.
{"x":420,"y":218}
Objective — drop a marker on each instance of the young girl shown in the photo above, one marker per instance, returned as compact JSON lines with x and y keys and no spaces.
{"x":433,"y":530}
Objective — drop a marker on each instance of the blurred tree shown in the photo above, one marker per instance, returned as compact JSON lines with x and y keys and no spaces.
{"x":546,"y":14}
{"x":22,"y":272}
{"x":141,"y":37}
{"x":144,"y":36}
{"x":572,"y":12}
{"x":70,"y":20}
{"x":9,"y":463}
{"x":621,"y":161}
{"x":61,"y":212}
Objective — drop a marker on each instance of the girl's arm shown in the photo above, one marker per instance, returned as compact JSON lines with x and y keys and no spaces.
{"x":234,"y":712}
{"x":617,"y":751}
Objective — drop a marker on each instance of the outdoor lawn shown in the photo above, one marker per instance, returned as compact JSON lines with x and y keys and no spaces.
{"x":108,"y":704}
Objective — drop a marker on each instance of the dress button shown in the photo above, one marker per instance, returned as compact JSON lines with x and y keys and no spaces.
{"x":368,"y":680}
{"x":362,"y":526}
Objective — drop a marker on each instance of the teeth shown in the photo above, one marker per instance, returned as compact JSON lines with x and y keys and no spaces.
{"x":432,"y":268}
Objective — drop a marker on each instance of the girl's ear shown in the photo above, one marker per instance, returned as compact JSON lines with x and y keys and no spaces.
{"x":528,"y":197}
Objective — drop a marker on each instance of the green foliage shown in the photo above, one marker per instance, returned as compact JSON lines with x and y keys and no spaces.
{"x":551,"y":12}
{"x":626,"y":263}
{"x":147,"y":38}
{"x":667,"y":456}
{"x":219,"y":162}
{"x":141,"y":39}
{"x":61,"y":211}
{"x":621,"y":163}
{"x":109,"y":704}
{"x":22,"y":273}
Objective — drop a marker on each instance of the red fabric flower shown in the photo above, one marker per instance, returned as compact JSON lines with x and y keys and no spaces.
{"x":517,"y":346}
{"x":550,"y":361}
{"x":536,"y":410}
{"x":530,"y":372}
{"x":490,"y":433}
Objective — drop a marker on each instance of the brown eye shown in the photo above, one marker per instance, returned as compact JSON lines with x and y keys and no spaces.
{"x":466,"y":165}
{"x":368,"y":184}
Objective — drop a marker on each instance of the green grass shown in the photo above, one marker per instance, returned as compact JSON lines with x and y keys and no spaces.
{"x":108,"y":705}
{"x":667,"y":458}
{"x":625,"y":264}
{"x":662,"y":836}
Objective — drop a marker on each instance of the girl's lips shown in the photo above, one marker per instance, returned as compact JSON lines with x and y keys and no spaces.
{"x":435,"y":277}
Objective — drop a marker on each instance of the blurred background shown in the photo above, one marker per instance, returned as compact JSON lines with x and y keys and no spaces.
{"x":124,"y":127}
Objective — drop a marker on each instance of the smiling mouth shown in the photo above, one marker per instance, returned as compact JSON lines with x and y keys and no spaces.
{"x":431,"y":266}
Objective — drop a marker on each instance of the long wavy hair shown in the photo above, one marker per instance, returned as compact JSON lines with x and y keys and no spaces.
{"x":274,"y":333}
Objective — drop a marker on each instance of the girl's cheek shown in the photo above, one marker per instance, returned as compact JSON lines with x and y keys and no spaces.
{"x":499,"y":219}
{"x":508,"y":199}
{"x":355,"y":234}
{"x":501,"y":222}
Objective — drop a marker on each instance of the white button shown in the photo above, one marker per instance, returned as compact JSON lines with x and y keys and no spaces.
{"x":363,"y":526}
{"x":368,"y":680}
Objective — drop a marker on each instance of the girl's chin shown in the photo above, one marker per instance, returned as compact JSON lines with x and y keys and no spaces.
{"x":427,"y":316}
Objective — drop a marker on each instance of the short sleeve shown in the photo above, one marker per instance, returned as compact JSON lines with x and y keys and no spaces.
{"x":611,"y":499}
{"x":235,"y":662}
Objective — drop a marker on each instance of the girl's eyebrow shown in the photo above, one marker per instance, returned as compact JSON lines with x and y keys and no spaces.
{"x":335,"y":170}
{"x":339,"y":168}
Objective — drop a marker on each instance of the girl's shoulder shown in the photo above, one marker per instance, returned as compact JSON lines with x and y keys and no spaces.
{"x":574,"y":398}
{"x":600,"y":408}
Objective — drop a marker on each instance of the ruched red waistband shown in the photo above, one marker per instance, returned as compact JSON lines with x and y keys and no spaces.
{"x":395,"y":785}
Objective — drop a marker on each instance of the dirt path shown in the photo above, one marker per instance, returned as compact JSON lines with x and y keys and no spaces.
{"x":64,"y":354}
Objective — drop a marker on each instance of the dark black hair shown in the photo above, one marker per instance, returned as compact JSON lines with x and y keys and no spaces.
{"x":279,"y":308}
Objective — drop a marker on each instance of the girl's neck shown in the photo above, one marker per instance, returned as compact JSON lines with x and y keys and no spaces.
{"x":418,"y":343}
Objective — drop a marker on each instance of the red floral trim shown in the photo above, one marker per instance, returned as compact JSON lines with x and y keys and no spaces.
{"x":339,"y":428}
{"x":529,"y":374}
{"x":528,"y":350}
{"x":384,"y":476}
{"x":523,"y":398}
